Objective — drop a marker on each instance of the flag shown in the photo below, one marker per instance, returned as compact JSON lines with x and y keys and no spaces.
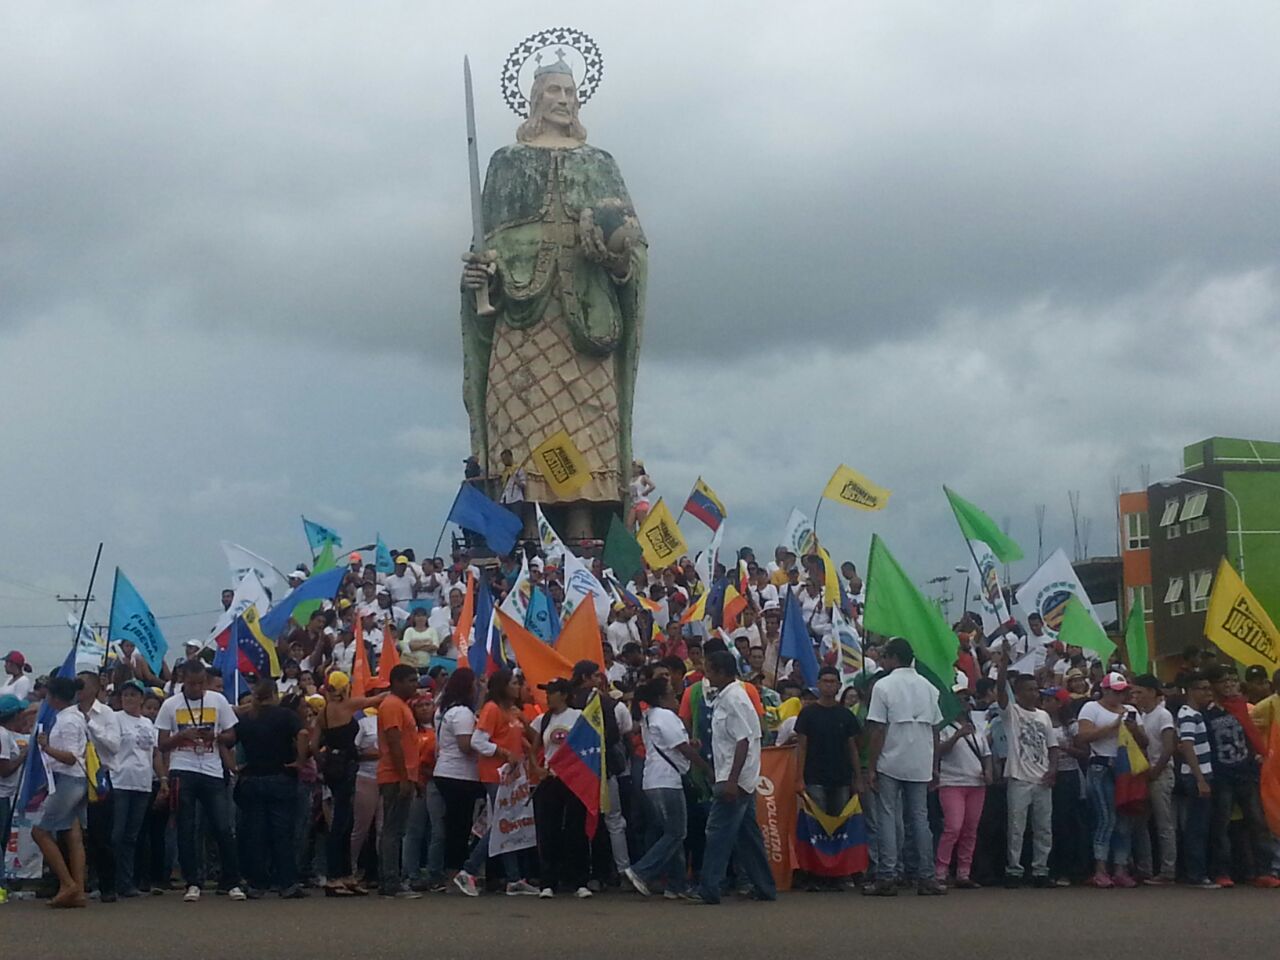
{"x":984,"y":577}
{"x":389,"y":658}
{"x":466,"y":616}
{"x":561,"y":464}
{"x":325,"y":562}
{"x":227,"y":661}
{"x":317,"y":587}
{"x":36,"y":780}
{"x":622,"y":554}
{"x":91,"y":648}
{"x":1079,"y":629}
{"x":831,"y":583}
{"x":796,"y":644}
{"x":538,"y":661}
{"x":831,"y":846}
{"x":705,"y":562}
{"x":1238,"y":624}
{"x":244,"y":647}
{"x":697,"y":610}
{"x":240,"y":561}
{"x":249,"y":593}
{"x":705,"y":505}
{"x":318,"y":535}
{"x":733,"y":605}
{"x":1135,"y":639}
{"x":798,"y":535}
{"x":486,"y":655}
{"x":1271,"y":781}
{"x":540,"y":618}
{"x":849,"y":642}
{"x":1131,"y":768}
{"x":895,"y":608}
{"x":473,"y":511}
{"x":976,"y":525}
{"x":382,"y":561}
{"x":552,"y":546}
{"x":660,"y":538}
{"x":579,"y":762}
{"x":360,"y":672}
{"x":851,"y":488}
{"x":261,"y":648}
{"x":1047,"y":591}
{"x":131,"y":619}
{"x":580,"y":637}
{"x":516,"y":602}
{"x":579,"y":585}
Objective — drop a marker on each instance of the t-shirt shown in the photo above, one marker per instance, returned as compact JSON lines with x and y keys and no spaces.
{"x":19,"y":686}
{"x":426,"y":753}
{"x":367,"y":742}
{"x":131,"y":767}
{"x":734,"y":719}
{"x":1066,"y":734}
{"x":269,"y":737}
{"x":1101,"y":717}
{"x":828,"y":731}
{"x":395,"y":714}
{"x":209,"y":716}
{"x":907,"y":704}
{"x":1030,"y":735}
{"x":400,"y":588}
{"x":451,"y":762}
{"x":10,"y":747}
{"x":70,"y":733}
{"x":961,"y":766}
{"x":1232,"y":754}
{"x":663,"y":731}
{"x":1155,"y":723}
{"x":1192,"y":729}
{"x":554,"y":729}
{"x":504,"y":731}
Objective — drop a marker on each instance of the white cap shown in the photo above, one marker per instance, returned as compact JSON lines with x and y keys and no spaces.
{"x":298,"y":574}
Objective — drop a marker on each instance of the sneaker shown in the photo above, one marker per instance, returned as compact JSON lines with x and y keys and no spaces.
{"x":1265,"y":882}
{"x":1044,"y":882}
{"x":157,"y":891}
{"x":130,"y":894}
{"x":1101,"y":881}
{"x":192,"y":894}
{"x":671,"y":895}
{"x":106,"y":898}
{"x":880,"y":888}
{"x":546,"y":893}
{"x":930,"y":888}
{"x":1226,"y":883}
{"x":1012,"y":882}
{"x":692,"y":896}
{"x":293,"y":893}
{"x":466,"y":883}
{"x":402,"y":894}
{"x":584,"y":894}
{"x":438,"y":886}
{"x":1157,"y":882}
{"x":521,"y":888}
{"x":633,"y":878}
{"x":967,"y":883}
{"x":235,"y":893}
{"x":1205,"y":884}
{"x":1124,"y":881}
{"x":253,"y":893}
{"x":595,"y":886}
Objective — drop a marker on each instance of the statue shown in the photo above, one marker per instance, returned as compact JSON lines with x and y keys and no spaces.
{"x":563,"y":264}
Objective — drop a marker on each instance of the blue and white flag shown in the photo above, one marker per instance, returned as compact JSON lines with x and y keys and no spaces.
{"x":91,"y":648}
{"x":132,"y":619}
{"x":382,"y":557}
{"x":241,"y":561}
{"x":318,"y":535}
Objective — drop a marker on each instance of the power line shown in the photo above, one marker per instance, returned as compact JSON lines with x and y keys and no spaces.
{"x":63,"y":624}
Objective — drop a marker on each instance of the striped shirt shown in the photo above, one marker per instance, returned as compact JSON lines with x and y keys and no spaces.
{"x":1192,"y":729}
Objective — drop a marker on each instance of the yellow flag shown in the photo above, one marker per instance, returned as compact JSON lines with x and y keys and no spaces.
{"x":561,"y":464}
{"x":1237,"y":623}
{"x":831,"y":585}
{"x":851,"y":488}
{"x":660,"y":538}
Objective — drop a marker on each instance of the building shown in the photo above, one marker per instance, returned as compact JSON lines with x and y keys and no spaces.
{"x":1135,"y":560}
{"x":1226,"y":503}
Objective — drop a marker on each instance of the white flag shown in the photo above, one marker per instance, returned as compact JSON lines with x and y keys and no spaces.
{"x":579,"y":584}
{"x":91,"y":648}
{"x":705,"y":562}
{"x":984,"y":584}
{"x":1047,"y":591}
{"x":241,"y":561}
{"x":552,"y":545}
{"x":799,"y":536}
{"x":516,"y":604}
{"x":249,"y":592}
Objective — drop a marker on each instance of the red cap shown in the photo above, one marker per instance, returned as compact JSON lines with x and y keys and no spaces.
{"x":13,"y":656}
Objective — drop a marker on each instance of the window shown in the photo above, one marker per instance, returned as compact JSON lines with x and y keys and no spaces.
{"x":1177,"y":609}
{"x":1170,"y":514}
{"x":1173,"y":593}
{"x":1201,"y":581}
{"x":1137,"y":531}
{"x":1139,"y":595}
{"x":1173,"y":532}
{"x":1198,"y":524}
{"x":1193,"y":506}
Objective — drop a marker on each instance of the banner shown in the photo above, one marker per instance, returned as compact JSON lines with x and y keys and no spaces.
{"x":131,"y":619}
{"x":776,"y":810}
{"x":798,"y":535}
{"x":511,"y":814}
{"x":1047,"y":591}
{"x":561,"y":464}
{"x":241,"y":561}
{"x":1238,"y":624}
{"x":660,"y":538}
{"x":705,"y":561}
{"x":851,"y":488}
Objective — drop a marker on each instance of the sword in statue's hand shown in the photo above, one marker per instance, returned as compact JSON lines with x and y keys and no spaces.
{"x":483,"y":307}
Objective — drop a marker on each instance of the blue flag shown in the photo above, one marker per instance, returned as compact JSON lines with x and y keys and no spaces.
{"x":318,"y":535}
{"x":796,"y":644}
{"x":382,"y":557}
{"x":541,"y":618}
{"x":478,"y":652}
{"x":473,"y":511}
{"x":319,"y":586}
{"x":35,"y":785}
{"x":131,"y":619}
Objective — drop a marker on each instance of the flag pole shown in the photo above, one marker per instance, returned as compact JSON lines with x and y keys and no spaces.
{"x":445,"y":526}
{"x":815,"y":519}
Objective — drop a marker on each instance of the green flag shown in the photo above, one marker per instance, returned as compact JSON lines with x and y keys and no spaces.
{"x":895,"y":608}
{"x":303,"y":611}
{"x":976,"y":525}
{"x":1135,"y":639}
{"x":1079,"y":629}
{"x":621,"y":551}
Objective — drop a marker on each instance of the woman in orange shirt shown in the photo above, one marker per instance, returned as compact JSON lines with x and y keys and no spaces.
{"x":501,"y":738}
{"x":424,"y":712}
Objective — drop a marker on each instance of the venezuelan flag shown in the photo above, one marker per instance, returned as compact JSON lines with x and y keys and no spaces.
{"x":1131,"y":765}
{"x":705,"y":505}
{"x":828,"y":846}
{"x":579,"y":763}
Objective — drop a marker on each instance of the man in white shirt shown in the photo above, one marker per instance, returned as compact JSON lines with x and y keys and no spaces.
{"x":735,"y":756}
{"x":1031,"y":767}
{"x":402,"y":583}
{"x":902,"y":761}
{"x":1162,"y":744}
{"x":622,"y":628}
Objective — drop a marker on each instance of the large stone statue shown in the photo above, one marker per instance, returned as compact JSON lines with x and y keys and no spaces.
{"x":564,"y":263}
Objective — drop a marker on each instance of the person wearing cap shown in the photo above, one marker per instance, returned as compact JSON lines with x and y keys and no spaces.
{"x":12,"y":754}
{"x":134,"y":768}
{"x":17,"y":679}
{"x":1031,"y":768}
{"x":1100,"y":722}
{"x":1162,"y":745}
{"x":402,"y":583}
{"x":559,"y":814}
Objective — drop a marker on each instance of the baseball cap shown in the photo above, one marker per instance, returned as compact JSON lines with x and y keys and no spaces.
{"x":10,"y":706}
{"x":298,"y":574}
{"x":1116,"y":682}
{"x":1255,"y":672}
{"x":402,"y":559}
{"x":354,"y":558}
{"x":135,"y":685}
{"x":559,"y":685}
{"x":13,"y":656}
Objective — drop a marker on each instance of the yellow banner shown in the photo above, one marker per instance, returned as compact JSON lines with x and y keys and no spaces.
{"x":1237,"y":623}
{"x":660,"y":538}
{"x":851,"y":488}
{"x":561,"y":464}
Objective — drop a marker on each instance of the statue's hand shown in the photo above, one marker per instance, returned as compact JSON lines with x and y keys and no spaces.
{"x":592,"y":238}
{"x":479,"y":271}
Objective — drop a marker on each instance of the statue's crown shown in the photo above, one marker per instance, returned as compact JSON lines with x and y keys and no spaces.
{"x":560,"y":66}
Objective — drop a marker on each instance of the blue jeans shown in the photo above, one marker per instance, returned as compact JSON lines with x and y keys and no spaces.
{"x":1112,"y":834}
{"x":270,"y":804}
{"x":1194,"y":814}
{"x":6,"y":807}
{"x":666,"y":856}
{"x":732,"y":831}
{"x":416,"y":833}
{"x":438,"y":833}
{"x":480,"y":852}
{"x":210,"y":794}
{"x":130,"y":810}
{"x":905,"y":803}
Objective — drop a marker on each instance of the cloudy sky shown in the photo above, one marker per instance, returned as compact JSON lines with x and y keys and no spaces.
{"x":1020,"y":249}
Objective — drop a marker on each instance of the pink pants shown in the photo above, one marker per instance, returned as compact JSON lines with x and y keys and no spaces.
{"x":961,"y":811}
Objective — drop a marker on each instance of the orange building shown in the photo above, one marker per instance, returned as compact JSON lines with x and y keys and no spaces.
{"x":1135,"y":558}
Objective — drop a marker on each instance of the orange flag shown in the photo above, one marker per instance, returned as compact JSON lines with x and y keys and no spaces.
{"x":360,"y":664}
{"x":389,"y":657}
{"x":462,"y":632}
{"x":1271,"y":780}
{"x":538,"y":661}
{"x":580,"y":636}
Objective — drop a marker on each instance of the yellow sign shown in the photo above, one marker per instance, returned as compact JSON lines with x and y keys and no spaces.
{"x":1237,"y":623}
{"x":660,"y":538}
{"x":851,"y":488}
{"x":561,"y":464}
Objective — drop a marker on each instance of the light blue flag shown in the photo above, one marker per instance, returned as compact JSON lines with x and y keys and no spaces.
{"x":382,"y":557}
{"x":318,"y":535}
{"x":540,"y":618}
{"x":131,"y":619}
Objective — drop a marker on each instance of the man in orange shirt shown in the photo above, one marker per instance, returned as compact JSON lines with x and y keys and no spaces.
{"x":398,"y":762}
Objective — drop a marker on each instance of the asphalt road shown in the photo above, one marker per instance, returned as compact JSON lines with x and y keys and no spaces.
{"x":1071,"y":924}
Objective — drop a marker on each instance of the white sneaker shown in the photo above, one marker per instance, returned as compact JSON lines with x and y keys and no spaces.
{"x":466,"y":883}
{"x":521,"y":888}
{"x":546,"y":893}
{"x":583,"y":893}
{"x":192,"y":894}
{"x":670,"y":895}
{"x":235,"y":893}
{"x":642,"y":888}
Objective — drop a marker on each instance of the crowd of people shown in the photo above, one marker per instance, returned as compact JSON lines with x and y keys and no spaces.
{"x":299,"y":784}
